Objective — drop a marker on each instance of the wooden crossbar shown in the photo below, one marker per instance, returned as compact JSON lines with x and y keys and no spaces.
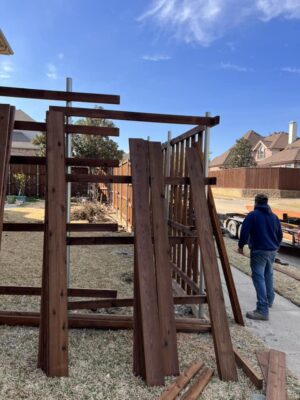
{"x":26,"y":93}
{"x":71,"y":227}
{"x":74,"y":162}
{"x":72,"y":292}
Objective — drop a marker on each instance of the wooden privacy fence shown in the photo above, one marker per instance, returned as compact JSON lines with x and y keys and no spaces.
{"x":258,"y":178}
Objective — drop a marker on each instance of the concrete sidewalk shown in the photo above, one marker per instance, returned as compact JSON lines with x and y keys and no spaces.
{"x":282,"y":331}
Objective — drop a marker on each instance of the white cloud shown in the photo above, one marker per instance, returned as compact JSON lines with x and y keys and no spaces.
{"x":156,"y":57}
{"x":51,"y":71}
{"x":291,"y":70}
{"x":203,"y":21}
{"x":234,"y":67}
{"x":6,"y":68}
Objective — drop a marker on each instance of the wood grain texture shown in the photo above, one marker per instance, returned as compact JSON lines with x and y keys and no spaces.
{"x":152,"y":342}
{"x":173,"y":390}
{"x":162,"y":257}
{"x":199,"y":385}
{"x":221,"y":334}
{"x":79,"y":162}
{"x":26,"y":93}
{"x":72,"y":292}
{"x":276,"y":376}
{"x":71,"y":227}
{"x":243,"y":363}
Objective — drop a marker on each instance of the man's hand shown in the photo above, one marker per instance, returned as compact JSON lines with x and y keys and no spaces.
{"x":240,"y":251}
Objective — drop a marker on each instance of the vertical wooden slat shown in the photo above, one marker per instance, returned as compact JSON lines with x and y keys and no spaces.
{"x":55,"y":252}
{"x":162,"y":258}
{"x":145,"y":263}
{"x":221,"y":334}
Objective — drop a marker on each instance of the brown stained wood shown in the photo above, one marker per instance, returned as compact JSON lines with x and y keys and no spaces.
{"x":234,"y":300}
{"x":221,"y":334}
{"x":243,"y":363}
{"x":79,"y":162}
{"x":191,"y":284}
{"x":276,"y":389}
{"x":137,"y":116}
{"x":186,"y":135}
{"x":162,"y":257}
{"x":145,"y":267}
{"x":181,"y":382}
{"x":57,"y":324}
{"x":72,"y":227}
{"x":81,"y":129}
{"x":112,"y":240}
{"x":199,"y":385}
{"x":98,"y":321}
{"x":26,"y":93}
{"x":6,"y":116}
{"x":72,"y":292}
{"x":263,"y":361}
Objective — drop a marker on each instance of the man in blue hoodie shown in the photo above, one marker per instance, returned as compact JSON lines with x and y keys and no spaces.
{"x":261,"y":229}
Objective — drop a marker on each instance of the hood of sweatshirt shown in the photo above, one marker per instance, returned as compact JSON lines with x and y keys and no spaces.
{"x":264,"y":208}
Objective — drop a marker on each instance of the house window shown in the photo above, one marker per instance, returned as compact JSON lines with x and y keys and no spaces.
{"x":261,"y":153}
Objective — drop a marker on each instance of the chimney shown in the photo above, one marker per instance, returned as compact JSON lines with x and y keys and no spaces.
{"x":292,"y":132}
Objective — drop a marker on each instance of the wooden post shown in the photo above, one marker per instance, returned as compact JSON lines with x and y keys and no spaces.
{"x":221,"y":334}
{"x":54,"y":315}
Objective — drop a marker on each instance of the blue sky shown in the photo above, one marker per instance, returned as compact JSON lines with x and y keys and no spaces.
{"x":235,"y":58}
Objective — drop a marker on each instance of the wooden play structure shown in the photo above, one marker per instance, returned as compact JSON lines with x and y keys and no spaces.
{"x":174,"y":217}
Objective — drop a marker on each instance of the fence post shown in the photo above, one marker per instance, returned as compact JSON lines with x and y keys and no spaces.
{"x":167,"y":173}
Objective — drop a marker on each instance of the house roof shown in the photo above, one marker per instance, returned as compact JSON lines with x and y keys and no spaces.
{"x":253,"y":138}
{"x":20,"y":115}
{"x":286,"y":156}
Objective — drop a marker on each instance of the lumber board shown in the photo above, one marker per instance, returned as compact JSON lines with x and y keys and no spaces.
{"x":221,"y":334}
{"x":152,"y":342}
{"x":71,"y":161}
{"x":263,"y":361}
{"x":162,"y":257}
{"x":72,"y":292}
{"x":71,"y":227}
{"x":112,"y":240}
{"x":243,"y":363}
{"x":234,"y":300}
{"x":197,"y":388}
{"x":69,"y":128}
{"x":137,"y":116}
{"x":56,"y":232}
{"x":185,"y":277}
{"x":184,"y":136}
{"x":6,"y":120}
{"x":173,"y":390}
{"x":98,"y":321}
{"x":276,"y":376}
{"x":81,"y":97}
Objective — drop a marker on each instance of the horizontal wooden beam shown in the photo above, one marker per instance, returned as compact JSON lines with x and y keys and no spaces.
{"x":138,"y":116}
{"x":72,"y":292}
{"x":128,"y":302}
{"x":116,"y":240}
{"x":184,"y":136}
{"x":82,"y":129}
{"x":98,"y":321}
{"x":72,"y":161}
{"x":26,"y":93}
{"x":186,"y":278}
{"x":169,"y":180}
{"x":72,"y":227}
{"x":244,"y":364}
{"x":188,"y":230}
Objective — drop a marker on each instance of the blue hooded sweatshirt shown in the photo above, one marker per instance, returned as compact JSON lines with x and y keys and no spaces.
{"x":261,"y":229}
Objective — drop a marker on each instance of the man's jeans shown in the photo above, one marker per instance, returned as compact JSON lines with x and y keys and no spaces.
{"x":261,"y":262}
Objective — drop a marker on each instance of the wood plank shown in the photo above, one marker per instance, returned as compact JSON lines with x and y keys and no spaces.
{"x":276,"y":376}
{"x":137,"y":116}
{"x":26,"y":93}
{"x":194,"y":391}
{"x":234,"y":300}
{"x":152,"y":342}
{"x":5,"y":143}
{"x":184,"y":136}
{"x":263,"y":360}
{"x":181,"y":382}
{"x":162,"y":257}
{"x":71,"y":227}
{"x":72,"y":292}
{"x":185,"y":278}
{"x":79,"y":162}
{"x":221,"y":334}
{"x":243,"y":363}
{"x":56,"y":232}
{"x":98,"y":321}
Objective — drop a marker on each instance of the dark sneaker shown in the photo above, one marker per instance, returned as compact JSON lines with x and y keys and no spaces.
{"x":257,"y":315}
{"x":271,"y":305}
